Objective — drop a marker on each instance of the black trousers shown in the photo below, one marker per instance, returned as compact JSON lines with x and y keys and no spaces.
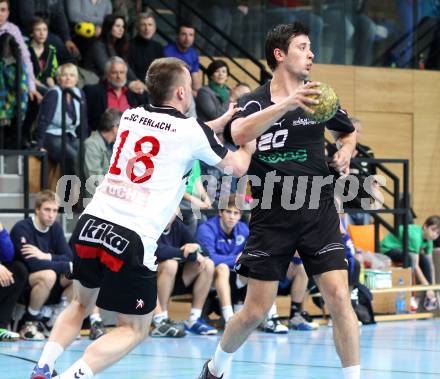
{"x":9,"y":295}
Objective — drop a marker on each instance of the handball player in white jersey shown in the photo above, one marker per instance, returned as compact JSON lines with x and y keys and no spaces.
{"x":115,"y":238}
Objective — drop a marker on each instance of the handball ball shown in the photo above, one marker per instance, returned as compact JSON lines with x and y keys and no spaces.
{"x":85,"y":29}
{"x":328,"y":104}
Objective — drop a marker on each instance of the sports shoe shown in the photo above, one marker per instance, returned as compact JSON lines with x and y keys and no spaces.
{"x":205,"y":374}
{"x":274,"y":325}
{"x":167,"y":328}
{"x":8,"y":335}
{"x":41,"y":372}
{"x":302,"y":321}
{"x":430,"y":304}
{"x":97,"y":330}
{"x":201,"y":327}
{"x":29,"y":331}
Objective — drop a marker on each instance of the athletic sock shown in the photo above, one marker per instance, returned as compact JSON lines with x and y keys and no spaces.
{"x":51,"y":352}
{"x":295,"y":308}
{"x":352,"y":372}
{"x":218,"y":364}
{"x":33,"y":312}
{"x":227,"y":312}
{"x":158,"y":318}
{"x":95,"y":317}
{"x":194,"y":315}
{"x":80,"y":369}
{"x":273,"y":312}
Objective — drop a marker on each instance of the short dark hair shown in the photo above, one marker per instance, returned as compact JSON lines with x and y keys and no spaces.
{"x":279,"y":37}
{"x":161,"y":78}
{"x":432,"y":220}
{"x":215,"y":65}
{"x":109,"y":119}
{"x":185,"y":24}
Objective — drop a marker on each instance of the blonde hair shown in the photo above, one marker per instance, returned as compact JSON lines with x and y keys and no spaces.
{"x":67,"y":67}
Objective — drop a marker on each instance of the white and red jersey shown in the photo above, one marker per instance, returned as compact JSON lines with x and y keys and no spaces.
{"x":152,"y":156}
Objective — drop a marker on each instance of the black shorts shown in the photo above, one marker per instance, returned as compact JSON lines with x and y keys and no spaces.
{"x":110,"y":257}
{"x":275,"y":235}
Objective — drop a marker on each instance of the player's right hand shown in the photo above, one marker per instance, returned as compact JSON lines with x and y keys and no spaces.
{"x":189,"y":248}
{"x":300,"y":98}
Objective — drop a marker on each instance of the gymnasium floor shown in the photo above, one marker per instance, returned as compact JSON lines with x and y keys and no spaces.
{"x":389,"y":350}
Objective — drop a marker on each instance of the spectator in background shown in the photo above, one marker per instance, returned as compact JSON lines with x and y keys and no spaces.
{"x":98,"y":147}
{"x":308,"y":12}
{"x":112,"y":92}
{"x":225,"y":15}
{"x":59,"y":33}
{"x":184,"y":50}
{"x":420,"y":246}
{"x":213,"y":100}
{"x":238,"y":91}
{"x":223,"y":237}
{"x":143,"y":49}
{"x":13,"y":89}
{"x":49,"y":122}
{"x":13,"y":277}
{"x":43,"y":55}
{"x":45,"y":64}
{"x":113,"y":42}
{"x":129,"y":9}
{"x":183,"y":268}
{"x":87,"y":11}
{"x":295,"y":285}
{"x":349,"y":27}
{"x":41,"y":244}
{"x":12,"y":29}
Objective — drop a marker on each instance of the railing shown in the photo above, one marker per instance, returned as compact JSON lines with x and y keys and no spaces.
{"x":43,"y":178}
{"x":400,"y":213}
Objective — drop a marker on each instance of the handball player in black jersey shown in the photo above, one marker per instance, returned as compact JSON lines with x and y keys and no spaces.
{"x":296,"y":210}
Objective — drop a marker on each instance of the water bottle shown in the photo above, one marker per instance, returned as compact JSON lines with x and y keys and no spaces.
{"x":400,"y":299}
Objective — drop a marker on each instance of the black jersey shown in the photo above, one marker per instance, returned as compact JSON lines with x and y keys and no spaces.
{"x":292,"y":146}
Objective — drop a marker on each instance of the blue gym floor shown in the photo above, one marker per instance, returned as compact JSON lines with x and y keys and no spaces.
{"x":389,"y":350}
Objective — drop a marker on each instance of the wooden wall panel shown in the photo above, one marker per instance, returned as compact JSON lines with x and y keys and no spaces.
{"x":383,"y":90}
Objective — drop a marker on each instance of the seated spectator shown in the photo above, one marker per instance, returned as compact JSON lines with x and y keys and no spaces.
{"x":129,"y":9}
{"x":223,"y":237}
{"x":184,"y":50}
{"x":238,"y":91}
{"x":39,"y":241}
{"x":420,"y":246}
{"x":111,"y":43}
{"x":59,"y":34}
{"x":13,"y":277}
{"x":195,"y":199}
{"x":295,"y":285}
{"x":87,"y":11}
{"x":98,"y":147}
{"x":183,"y":268}
{"x":349,"y":27}
{"x":112,"y":92}
{"x":11,"y":72}
{"x":12,"y":29}
{"x":213,"y":100}
{"x":143,"y":49}
{"x":49,"y":121}
{"x":307,"y":12}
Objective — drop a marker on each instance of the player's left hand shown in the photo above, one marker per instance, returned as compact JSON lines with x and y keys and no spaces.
{"x":341,"y":161}
{"x":31,"y":251}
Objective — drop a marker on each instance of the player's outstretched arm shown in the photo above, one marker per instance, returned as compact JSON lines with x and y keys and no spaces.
{"x":246,"y":129}
{"x":238,"y":160}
